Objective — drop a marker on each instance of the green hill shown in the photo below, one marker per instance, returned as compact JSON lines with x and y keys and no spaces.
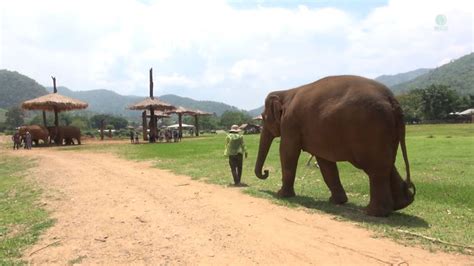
{"x":458,"y":75}
{"x":392,"y":80}
{"x":16,"y":88}
{"x":209,"y":106}
{"x":109,"y":102}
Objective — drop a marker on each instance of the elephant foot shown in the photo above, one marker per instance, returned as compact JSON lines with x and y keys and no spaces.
{"x":378,"y":211}
{"x":402,"y":203}
{"x":286,"y":193}
{"x":338,"y":199}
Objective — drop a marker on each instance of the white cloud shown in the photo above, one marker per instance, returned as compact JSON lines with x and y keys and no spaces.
{"x":212,"y":50}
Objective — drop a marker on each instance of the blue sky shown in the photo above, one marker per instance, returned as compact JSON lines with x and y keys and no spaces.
{"x":230,"y":51}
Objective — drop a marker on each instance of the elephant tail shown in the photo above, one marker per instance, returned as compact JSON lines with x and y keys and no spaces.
{"x":402,"y":131}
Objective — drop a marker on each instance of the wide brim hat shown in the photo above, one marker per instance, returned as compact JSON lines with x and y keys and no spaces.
{"x":234,"y":128}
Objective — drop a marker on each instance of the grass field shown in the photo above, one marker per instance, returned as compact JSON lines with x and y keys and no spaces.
{"x":21,"y":219}
{"x":440,"y":157}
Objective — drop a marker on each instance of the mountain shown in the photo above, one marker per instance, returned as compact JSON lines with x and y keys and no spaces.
{"x":106,"y":101}
{"x":392,"y":80}
{"x":103,"y":101}
{"x":458,"y":75}
{"x":16,"y":88}
{"x":208,"y":106}
{"x":257,"y":111}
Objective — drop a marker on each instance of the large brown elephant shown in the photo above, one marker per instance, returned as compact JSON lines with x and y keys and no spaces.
{"x":340,"y":118}
{"x":37,"y":133}
{"x":66,"y":134}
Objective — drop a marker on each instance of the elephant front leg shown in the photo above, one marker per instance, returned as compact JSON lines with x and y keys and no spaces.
{"x":289,"y":155}
{"x":331,"y":178}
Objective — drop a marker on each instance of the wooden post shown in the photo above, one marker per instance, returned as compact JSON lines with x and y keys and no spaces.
{"x":196,"y":124}
{"x":56,"y":119}
{"x":144,"y":126}
{"x":180,"y":121}
{"x":44,"y":119}
{"x":152,"y":111}
{"x":102,"y":122}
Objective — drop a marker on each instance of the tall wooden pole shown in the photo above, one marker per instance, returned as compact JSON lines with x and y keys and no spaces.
{"x":152,"y":111}
{"x":180,"y":121}
{"x":144,"y":126}
{"x":44,"y":119}
{"x":56,"y":119}
{"x":196,"y":124}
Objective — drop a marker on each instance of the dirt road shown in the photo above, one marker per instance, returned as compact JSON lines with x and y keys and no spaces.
{"x":113,"y":211}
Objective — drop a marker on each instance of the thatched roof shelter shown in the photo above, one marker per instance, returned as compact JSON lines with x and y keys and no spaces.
{"x":158,"y":114}
{"x":258,"y":117}
{"x":53,"y":101}
{"x":180,"y":111}
{"x":152,"y":103}
{"x":196,"y":114}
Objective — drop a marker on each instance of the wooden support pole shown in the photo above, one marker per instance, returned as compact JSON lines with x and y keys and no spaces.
{"x":144,"y":126}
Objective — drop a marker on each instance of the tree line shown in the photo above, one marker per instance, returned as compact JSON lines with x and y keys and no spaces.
{"x":15,"y":117}
{"x":435,"y":102}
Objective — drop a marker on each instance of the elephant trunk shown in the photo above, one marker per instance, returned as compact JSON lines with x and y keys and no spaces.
{"x":265,"y":142}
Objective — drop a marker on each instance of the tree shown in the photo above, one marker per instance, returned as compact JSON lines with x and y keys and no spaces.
{"x":437,"y":101}
{"x":209,"y":122}
{"x":229,"y":118}
{"x":14,"y":117}
{"x":411,"y":106}
{"x":117,"y":121}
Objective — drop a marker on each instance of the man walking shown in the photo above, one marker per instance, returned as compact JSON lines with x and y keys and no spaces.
{"x":235,"y":149}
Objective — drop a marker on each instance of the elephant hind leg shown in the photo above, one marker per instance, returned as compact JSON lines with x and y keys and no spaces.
{"x":402,"y":197}
{"x":331,"y":178}
{"x":381,"y":202}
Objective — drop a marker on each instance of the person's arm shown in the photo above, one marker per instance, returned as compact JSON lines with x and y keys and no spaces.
{"x":226,"y":151}
{"x":244,"y":149}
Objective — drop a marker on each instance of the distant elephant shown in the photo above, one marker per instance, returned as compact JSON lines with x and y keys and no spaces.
{"x":66,"y":134}
{"x":37,"y":133}
{"x":340,"y":118}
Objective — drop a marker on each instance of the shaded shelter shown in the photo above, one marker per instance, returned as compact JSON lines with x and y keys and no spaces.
{"x":196,"y":115}
{"x":54,"y":102}
{"x":180,"y":111}
{"x":152,"y":104}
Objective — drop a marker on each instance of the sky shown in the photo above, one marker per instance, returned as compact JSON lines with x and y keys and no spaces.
{"x":234,"y":52}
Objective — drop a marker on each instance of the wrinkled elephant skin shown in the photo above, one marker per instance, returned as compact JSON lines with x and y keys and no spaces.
{"x":37,"y":133}
{"x":66,"y":134}
{"x":340,"y":118}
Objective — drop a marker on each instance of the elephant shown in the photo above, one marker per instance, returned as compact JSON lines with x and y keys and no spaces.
{"x":65,"y":134}
{"x":340,"y":118}
{"x":37,"y":133}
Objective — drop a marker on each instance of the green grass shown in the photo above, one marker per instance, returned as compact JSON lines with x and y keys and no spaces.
{"x":441,"y":159}
{"x":21,"y":219}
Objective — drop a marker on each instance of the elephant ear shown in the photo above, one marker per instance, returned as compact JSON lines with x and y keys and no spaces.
{"x":275,"y":108}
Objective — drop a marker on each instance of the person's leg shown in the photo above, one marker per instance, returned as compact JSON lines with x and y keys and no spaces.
{"x":233,"y":168}
{"x":239,"y":161}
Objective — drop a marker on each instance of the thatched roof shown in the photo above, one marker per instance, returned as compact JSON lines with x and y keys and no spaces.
{"x":154,"y":103}
{"x":181,"y":110}
{"x":158,"y":114}
{"x":258,"y":117}
{"x":53,"y":101}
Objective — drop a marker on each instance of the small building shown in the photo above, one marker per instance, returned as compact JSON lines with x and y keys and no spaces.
{"x":250,"y":128}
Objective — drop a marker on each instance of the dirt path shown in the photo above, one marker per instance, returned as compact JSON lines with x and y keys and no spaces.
{"x":113,"y":211}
